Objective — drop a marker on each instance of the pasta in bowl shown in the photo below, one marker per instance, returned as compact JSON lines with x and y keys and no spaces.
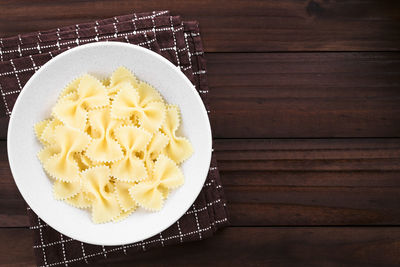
{"x":112,"y":146}
{"x":127,"y":147}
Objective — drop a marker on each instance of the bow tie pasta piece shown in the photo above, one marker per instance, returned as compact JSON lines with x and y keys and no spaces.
{"x":39,"y":128}
{"x":150,"y":194}
{"x":63,"y":190}
{"x":179,"y":148}
{"x":134,"y":141}
{"x":128,"y":103}
{"x":92,"y":92}
{"x":121,"y":75}
{"x":61,"y":166}
{"x":70,"y":111}
{"x":48,"y":152}
{"x":45,"y":130}
{"x":72,"y":108}
{"x":148,"y":94}
{"x":156,"y":146}
{"x":103,"y":147}
{"x":122,"y":192}
{"x":147,"y":196}
{"x":70,"y":88}
{"x":80,"y":200}
{"x":124,"y":214}
{"x":98,"y":185}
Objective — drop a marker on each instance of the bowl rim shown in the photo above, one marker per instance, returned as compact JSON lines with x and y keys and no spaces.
{"x":11,"y":129}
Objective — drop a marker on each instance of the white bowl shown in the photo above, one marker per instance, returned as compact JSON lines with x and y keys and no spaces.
{"x":34,"y":104}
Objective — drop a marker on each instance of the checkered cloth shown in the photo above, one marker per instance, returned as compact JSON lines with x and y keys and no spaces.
{"x":178,"y":41}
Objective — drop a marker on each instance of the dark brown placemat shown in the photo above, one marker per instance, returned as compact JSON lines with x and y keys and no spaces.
{"x":180,"y":43}
{"x":16,"y":69}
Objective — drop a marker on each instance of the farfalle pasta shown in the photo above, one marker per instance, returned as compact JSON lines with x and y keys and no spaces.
{"x":134,"y":141}
{"x":111,"y":146}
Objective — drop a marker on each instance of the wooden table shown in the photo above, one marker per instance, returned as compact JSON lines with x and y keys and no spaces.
{"x":306,"y":101}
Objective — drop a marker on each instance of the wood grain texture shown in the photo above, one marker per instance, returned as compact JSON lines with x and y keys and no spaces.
{"x":288,"y":182}
{"x":311,"y":182}
{"x":284,"y":246}
{"x":291,"y":95}
{"x":16,"y":247}
{"x":239,"y":25}
{"x":339,"y":95}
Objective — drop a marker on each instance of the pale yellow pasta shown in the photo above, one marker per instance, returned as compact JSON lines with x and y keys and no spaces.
{"x":122,"y":192}
{"x":83,"y":161}
{"x":166,"y":175}
{"x":80,"y":200}
{"x":111,"y":146}
{"x":39,"y":128}
{"x":70,"y":88}
{"x":134,"y":141}
{"x":48,"y":152}
{"x":86,"y":160}
{"x":61,"y":165}
{"x":97,"y":184}
{"x":148,"y":94}
{"x":72,"y":108}
{"x":156,"y":146}
{"x":63,"y":190}
{"x":120,"y":76}
{"x":123,"y":215}
{"x":48,"y":132}
{"x":178,"y":148}
{"x":103,"y":148}
{"x":128,"y":103}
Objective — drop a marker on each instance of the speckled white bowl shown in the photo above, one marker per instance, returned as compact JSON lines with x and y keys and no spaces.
{"x":40,"y":94}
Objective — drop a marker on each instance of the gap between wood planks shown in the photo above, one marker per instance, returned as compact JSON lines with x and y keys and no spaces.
{"x":236,"y":26}
{"x":316,"y":246}
{"x":302,"y":95}
{"x":287,"y":182}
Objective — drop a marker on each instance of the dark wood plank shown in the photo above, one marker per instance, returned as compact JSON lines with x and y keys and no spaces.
{"x":240,"y":25}
{"x":311,"y":246}
{"x":302,"y":182}
{"x":16,"y":247}
{"x":276,"y":95}
{"x":288,"y":182}
{"x":311,"y":182}
{"x":290,"y":95}
{"x":12,"y":206}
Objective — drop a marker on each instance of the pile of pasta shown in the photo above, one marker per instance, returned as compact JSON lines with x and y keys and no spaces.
{"x":112,"y":146}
